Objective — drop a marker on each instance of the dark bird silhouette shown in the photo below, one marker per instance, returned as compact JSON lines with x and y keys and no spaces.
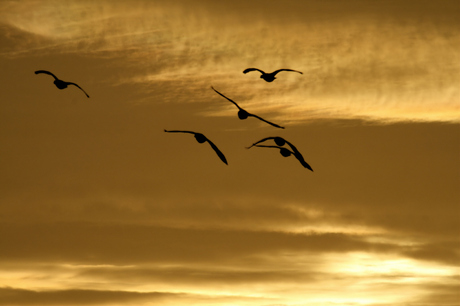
{"x":278,"y":140}
{"x":201,"y":138}
{"x":60,"y":83}
{"x":269,"y":77}
{"x":286,"y":152}
{"x":242,"y":114}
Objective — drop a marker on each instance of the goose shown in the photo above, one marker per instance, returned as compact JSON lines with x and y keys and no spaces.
{"x":286,"y":152}
{"x":242,"y":114}
{"x":201,"y":138}
{"x":269,"y":77}
{"x":59,"y":83}
{"x":278,"y":140}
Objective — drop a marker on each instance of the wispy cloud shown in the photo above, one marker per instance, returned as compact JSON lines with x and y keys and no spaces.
{"x":373,"y":67}
{"x":99,"y":206}
{"x":14,"y":296}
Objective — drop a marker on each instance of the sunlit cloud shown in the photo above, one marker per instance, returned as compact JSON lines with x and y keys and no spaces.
{"x":410,"y":71}
{"x":99,"y":206}
{"x":350,"y":278}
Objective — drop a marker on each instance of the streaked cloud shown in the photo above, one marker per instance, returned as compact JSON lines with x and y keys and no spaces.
{"x":98,"y":206}
{"x":408,"y":63}
{"x":14,"y":296}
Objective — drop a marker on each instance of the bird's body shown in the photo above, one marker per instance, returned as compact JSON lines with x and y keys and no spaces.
{"x":286,"y":152}
{"x":60,"y":83}
{"x":201,"y":139}
{"x":243,"y":114}
{"x":269,"y":77}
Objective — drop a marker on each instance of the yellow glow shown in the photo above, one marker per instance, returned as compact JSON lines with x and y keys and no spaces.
{"x":409,"y":269}
{"x":95,"y":200}
{"x":333,"y":90}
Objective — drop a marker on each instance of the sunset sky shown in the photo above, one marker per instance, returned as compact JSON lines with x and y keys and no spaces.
{"x":99,"y":206}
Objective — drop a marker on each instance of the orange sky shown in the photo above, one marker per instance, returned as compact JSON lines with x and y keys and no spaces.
{"x":98,"y":206}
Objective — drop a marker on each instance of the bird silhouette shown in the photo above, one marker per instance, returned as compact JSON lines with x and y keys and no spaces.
{"x":242,"y":114}
{"x":286,"y":152}
{"x":269,"y":77}
{"x":60,"y":83}
{"x":201,"y":138}
{"x":278,"y":140}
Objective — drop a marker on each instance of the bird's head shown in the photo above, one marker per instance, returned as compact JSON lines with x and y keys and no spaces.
{"x":285,"y":152}
{"x":242,"y":114}
{"x":200,"y":138}
{"x":279,"y":141}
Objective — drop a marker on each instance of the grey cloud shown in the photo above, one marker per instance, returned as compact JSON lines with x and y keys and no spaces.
{"x":127,"y":244}
{"x":445,"y":293}
{"x":13,"y":39}
{"x":18,"y":297}
{"x":204,"y":275}
{"x":14,"y":296}
{"x":446,"y":251}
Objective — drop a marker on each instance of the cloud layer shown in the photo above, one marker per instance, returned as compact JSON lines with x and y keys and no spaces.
{"x":98,"y":206}
{"x":379,"y":63}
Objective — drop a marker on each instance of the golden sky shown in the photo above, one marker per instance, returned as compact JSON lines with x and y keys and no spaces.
{"x":98,"y":206}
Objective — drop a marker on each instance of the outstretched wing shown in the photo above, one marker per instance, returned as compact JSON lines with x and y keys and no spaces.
{"x":219,"y":153}
{"x":295,"y":153}
{"x":176,"y":131}
{"x":279,"y":70}
{"x":271,"y":123}
{"x":253,"y":69}
{"x":227,"y":98}
{"x":262,"y":140}
{"x":302,"y":161}
{"x":277,"y":147}
{"x":46,"y":72}
{"x":293,"y":147}
{"x":70,"y":83}
{"x":299,"y":156}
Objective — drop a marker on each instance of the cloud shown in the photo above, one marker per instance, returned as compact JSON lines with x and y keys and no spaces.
{"x":447,"y":251}
{"x":125,"y":243}
{"x":14,"y":296}
{"x":96,"y":198}
{"x":446,"y":293}
{"x":358,"y":64}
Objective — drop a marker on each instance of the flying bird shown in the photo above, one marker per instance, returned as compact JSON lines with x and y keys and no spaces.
{"x":269,"y":77}
{"x":278,"y":140}
{"x":201,"y":138}
{"x":60,"y":83}
{"x":286,"y":152}
{"x":242,"y":114}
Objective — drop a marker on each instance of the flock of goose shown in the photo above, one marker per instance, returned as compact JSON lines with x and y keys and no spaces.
{"x":242,"y":114}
